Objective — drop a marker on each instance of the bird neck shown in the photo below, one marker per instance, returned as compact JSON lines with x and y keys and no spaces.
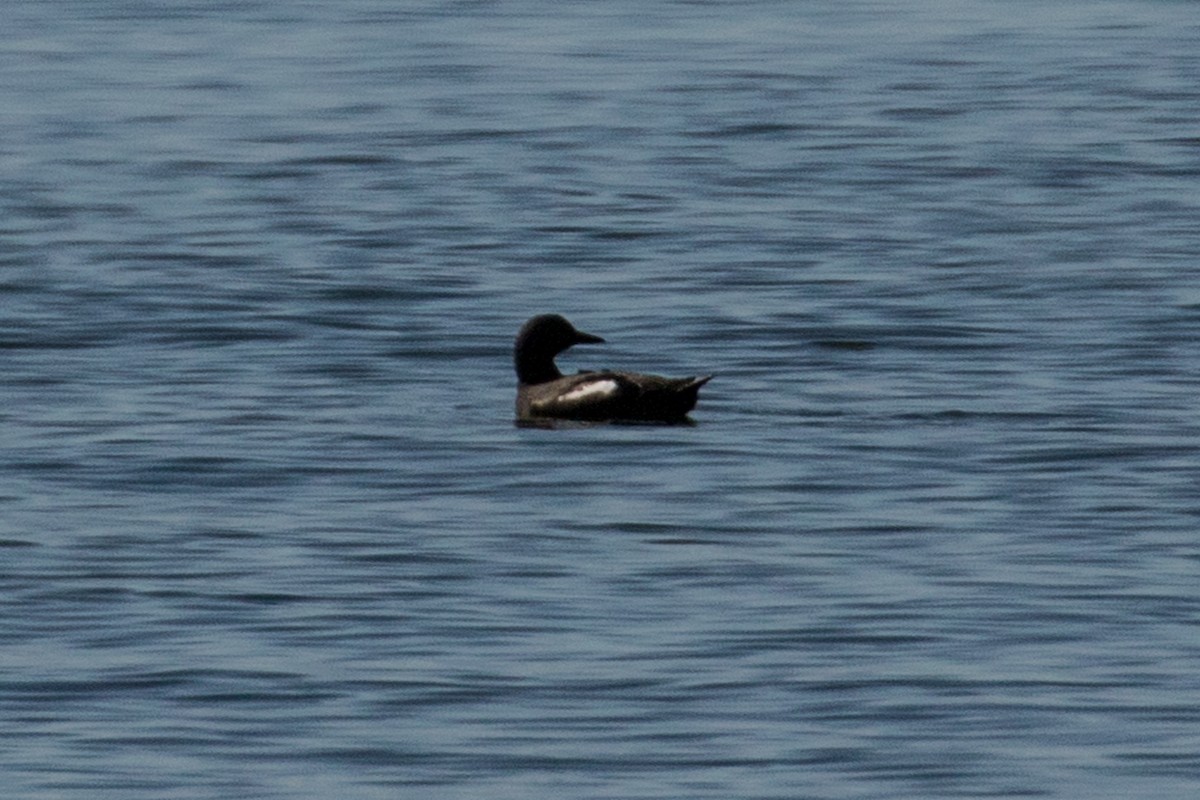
{"x":536,"y":369}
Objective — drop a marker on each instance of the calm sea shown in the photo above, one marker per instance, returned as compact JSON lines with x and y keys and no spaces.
{"x":267,"y":529}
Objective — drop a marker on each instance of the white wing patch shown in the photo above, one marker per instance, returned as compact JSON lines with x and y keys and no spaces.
{"x":592,"y":390}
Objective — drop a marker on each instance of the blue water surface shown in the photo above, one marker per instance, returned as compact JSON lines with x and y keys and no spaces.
{"x":267,"y":529}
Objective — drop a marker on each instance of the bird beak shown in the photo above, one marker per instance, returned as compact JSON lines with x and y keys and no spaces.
{"x":587,"y":338}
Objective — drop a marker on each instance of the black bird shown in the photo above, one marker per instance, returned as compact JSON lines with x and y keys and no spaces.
{"x":544,"y":393}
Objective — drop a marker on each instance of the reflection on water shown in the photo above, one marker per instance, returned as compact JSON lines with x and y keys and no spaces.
{"x":549,"y":423}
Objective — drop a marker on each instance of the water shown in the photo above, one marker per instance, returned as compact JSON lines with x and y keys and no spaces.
{"x":268,"y":530}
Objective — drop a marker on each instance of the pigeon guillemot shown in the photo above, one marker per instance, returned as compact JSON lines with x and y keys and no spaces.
{"x":543,"y":392}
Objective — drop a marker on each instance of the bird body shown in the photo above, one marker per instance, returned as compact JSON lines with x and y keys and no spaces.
{"x":545,"y":393}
